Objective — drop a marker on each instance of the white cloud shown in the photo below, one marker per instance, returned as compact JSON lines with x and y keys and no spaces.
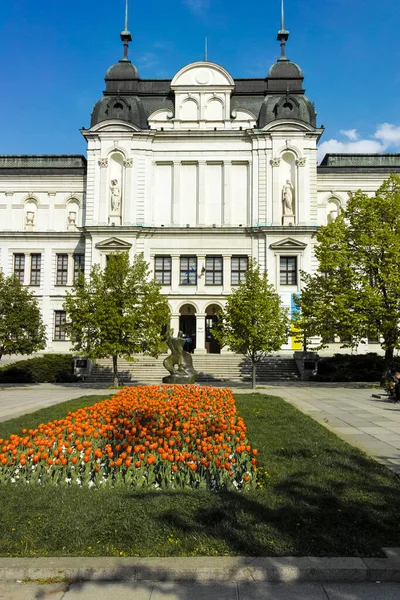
{"x":350,"y":133}
{"x":388,"y":134}
{"x":386,"y":137}
{"x":359,"y":147}
{"x":197,"y":6}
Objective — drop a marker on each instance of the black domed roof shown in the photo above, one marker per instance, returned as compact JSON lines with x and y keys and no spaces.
{"x":285,"y":69}
{"x":122,"y":71}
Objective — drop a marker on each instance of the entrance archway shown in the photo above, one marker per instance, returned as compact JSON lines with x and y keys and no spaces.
{"x":187,"y":324}
{"x":212,"y":345}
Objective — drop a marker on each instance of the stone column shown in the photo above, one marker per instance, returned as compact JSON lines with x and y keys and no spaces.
{"x":226,"y":275}
{"x":276,"y":192}
{"x":70,"y":277}
{"x":200,"y":334}
{"x":176,"y":193}
{"x":201,"y":194}
{"x":201,"y":278}
{"x":226,"y":201}
{"x":174,"y":323}
{"x":301,"y":199}
{"x":103,"y":197}
{"x":27,"y":269}
{"x":175,"y":274}
{"x":127,"y":192}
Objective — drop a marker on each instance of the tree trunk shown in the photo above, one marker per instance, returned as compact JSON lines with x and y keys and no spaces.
{"x":115,"y":370}
{"x":253,"y":374}
{"x":387,"y":365}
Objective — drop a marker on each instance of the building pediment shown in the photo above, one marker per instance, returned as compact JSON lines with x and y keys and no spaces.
{"x":288,"y":244}
{"x":113,"y":244}
{"x":202,"y":74}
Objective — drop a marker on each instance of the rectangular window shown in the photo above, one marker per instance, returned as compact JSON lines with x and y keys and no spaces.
{"x":19,"y":267}
{"x":239,"y":267}
{"x":36,"y":262}
{"x":59,"y":323}
{"x":288,"y":270}
{"x":188,"y":271}
{"x":62,"y":269}
{"x":162,"y":269}
{"x":79,"y":265}
{"x":214,"y":270}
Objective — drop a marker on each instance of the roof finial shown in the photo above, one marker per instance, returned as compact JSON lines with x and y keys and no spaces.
{"x":126,"y":34}
{"x":205,"y":50}
{"x":283,"y":34}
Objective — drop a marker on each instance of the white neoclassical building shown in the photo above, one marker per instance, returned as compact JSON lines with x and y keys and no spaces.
{"x":199,"y":173}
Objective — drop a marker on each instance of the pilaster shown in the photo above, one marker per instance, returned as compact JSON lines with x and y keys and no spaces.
{"x":200,"y":334}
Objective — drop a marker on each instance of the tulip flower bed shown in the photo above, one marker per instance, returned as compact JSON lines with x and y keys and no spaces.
{"x":168,"y":437}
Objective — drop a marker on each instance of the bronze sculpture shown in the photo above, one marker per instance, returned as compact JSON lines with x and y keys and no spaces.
{"x":178,"y":363}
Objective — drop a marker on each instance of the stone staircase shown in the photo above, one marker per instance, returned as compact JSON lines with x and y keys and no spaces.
{"x":212,"y":368}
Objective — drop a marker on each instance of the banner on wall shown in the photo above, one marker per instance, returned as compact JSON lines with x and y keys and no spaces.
{"x":296,"y":339}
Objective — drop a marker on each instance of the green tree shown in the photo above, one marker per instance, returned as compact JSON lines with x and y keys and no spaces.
{"x":355,"y":292}
{"x":21,"y":326}
{"x":117,"y":312}
{"x":253,"y":322}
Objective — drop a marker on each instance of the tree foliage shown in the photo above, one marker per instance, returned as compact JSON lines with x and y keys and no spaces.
{"x":21,"y":327}
{"x":253,"y":322}
{"x":117,"y":312}
{"x":355,"y":292}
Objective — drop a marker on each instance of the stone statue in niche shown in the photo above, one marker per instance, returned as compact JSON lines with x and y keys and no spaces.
{"x":178,"y":363}
{"x":115,"y":196}
{"x":71,"y":220}
{"x":29,"y":219}
{"x":287,"y":198}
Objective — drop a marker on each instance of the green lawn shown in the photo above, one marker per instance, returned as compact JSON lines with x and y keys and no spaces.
{"x":317,"y":496}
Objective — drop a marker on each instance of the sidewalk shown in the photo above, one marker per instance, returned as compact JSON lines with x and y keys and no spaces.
{"x":197,"y":591}
{"x":19,"y":399}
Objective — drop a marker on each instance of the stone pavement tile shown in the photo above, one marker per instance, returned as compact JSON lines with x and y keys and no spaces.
{"x":281,"y":591}
{"x":193,"y":591}
{"x":373,"y":430}
{"x":109,"y":590}
{"x":362,"y":591}
{"x":31,"y":591}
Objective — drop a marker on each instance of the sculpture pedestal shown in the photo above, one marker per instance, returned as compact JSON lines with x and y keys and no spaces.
{"x":178,"y":378}
{"x":114,"y":220}
{"x":288,"y":220}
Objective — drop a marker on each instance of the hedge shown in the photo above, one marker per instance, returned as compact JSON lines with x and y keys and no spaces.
{"x":353,"y":367}
{"x":50,"y":368}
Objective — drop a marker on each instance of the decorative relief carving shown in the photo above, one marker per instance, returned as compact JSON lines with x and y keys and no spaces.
{"x":103,"y":163}
{"x":128,"y":162}
{"x":300,"y":162}
{"x":275,"y":162}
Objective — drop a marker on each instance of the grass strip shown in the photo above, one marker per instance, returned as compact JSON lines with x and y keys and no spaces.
{"x":316,"y":496}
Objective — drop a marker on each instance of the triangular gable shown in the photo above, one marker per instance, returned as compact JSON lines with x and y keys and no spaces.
{"x":113,"y":243}
{"x":288,"y":244}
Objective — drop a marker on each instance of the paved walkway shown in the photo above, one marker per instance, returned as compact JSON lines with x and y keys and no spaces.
{"x":371,"y":424}
{"x":199,"y":591}
{"x":17,"y":400}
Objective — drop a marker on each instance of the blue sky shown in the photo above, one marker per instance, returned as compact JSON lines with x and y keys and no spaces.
{"x":54,"y":55}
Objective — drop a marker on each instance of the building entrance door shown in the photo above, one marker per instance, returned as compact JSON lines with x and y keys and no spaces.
{"x":212,"y":345}
{"x":187,"y":324}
